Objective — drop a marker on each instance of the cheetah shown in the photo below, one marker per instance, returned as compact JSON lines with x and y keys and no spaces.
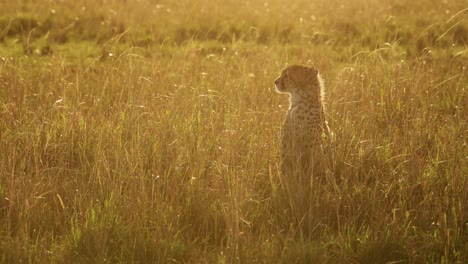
{"x":305,"y":127}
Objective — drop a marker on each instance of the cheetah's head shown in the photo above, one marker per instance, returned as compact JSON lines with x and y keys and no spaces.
{"x":296,"y":77}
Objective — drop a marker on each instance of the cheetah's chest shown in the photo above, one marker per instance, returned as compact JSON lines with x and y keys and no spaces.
{"x":301,"y":129}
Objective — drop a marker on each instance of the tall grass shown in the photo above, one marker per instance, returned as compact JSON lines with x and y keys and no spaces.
{"x":149,"y":132}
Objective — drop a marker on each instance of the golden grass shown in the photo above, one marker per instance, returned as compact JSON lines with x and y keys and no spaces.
{"x":153,"y":137}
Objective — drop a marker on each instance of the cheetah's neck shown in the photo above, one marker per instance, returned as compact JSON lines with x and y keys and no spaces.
{"x":313,"y":97}
{"x":310,"y":100}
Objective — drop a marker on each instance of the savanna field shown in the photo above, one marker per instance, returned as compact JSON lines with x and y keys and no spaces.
{"x":148,"y":131}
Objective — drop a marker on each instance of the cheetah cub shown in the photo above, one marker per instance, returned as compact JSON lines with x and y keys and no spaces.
{"x":305,"y":128}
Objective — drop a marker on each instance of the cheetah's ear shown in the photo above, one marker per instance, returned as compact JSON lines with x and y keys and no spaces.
{"x":312,"y":73}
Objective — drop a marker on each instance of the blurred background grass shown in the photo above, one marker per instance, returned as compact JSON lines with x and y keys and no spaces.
{"x":345,"y":27}
{"x":147,"y":131}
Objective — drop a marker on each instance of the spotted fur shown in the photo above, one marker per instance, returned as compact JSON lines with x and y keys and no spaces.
{"x":305,"y":126}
